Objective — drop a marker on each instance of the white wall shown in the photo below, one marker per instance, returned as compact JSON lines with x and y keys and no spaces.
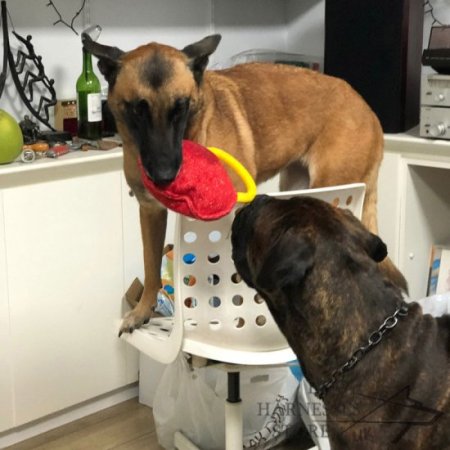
{"x":291,"y":25}
{"x":244,"y":24}
{"x":305,"y":26}
{"x":250,"y":24}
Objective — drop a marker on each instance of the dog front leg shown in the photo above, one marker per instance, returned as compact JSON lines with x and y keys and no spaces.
{"x":153,"y":227}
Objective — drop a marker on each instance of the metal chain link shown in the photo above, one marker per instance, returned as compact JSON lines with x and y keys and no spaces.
{"x":374,"y":339}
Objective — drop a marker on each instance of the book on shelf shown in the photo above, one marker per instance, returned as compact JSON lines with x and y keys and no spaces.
{"x":439,"y":273}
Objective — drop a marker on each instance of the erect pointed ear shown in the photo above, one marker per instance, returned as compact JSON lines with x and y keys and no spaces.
{"x":287,"y":264}
{"x":199,"y":52}
{"x":108,"y":57}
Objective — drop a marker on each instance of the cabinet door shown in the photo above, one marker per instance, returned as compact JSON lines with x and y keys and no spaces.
{"x":133,"y":258}
{"x":64,"y":241}
{"x":6,"y":385}
{"x":389,"y":207}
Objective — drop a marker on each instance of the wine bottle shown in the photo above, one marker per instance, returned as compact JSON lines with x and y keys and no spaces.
{"x":89,"y":105}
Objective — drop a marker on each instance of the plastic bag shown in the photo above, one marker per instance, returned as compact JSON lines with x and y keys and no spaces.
{"x":436,"y":305}
{"x":269,"y":405}
{"x":184,"y":402}
{"x":312,"y":412}
{"x":193,"y":402}
{"x":165,"y":298}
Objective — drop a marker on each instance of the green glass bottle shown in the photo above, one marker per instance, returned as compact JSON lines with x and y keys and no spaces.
{"x":89,"y":104}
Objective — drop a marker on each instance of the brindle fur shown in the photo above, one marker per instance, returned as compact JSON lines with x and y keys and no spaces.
{"x":271,"y":117}
{"x":316,"y":267}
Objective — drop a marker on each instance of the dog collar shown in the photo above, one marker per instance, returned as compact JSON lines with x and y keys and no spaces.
{"x":374,"y":339}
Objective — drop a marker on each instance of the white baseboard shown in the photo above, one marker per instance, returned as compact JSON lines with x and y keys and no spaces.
{"x":40,"y":426}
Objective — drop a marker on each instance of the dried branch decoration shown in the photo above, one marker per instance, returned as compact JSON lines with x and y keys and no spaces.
{"x":430,"y":11}
{"x":28,"y":73}
{"x":61,"y":20}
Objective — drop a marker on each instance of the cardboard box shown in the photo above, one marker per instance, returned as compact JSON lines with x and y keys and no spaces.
{"x":134,"y":292}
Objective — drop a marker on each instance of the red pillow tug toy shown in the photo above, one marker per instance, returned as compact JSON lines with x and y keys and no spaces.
{"x":202,"y":189}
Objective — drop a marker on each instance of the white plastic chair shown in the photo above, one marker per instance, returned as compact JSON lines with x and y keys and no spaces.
{"x":216,"y":315}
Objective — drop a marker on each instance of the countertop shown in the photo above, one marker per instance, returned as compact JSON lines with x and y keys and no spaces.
{"x":408,"y":144}
{"x":74,"y":164}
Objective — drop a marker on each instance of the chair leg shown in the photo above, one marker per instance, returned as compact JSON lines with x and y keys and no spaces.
{"x":234,"y":426}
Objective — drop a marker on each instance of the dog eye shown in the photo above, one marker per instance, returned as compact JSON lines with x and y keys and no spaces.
{"x":137,"y":107}
{"x":140,"y":107}
{"x":179,"y":107}
{"x":137,"y":112}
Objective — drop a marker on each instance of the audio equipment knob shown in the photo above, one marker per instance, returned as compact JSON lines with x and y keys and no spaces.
{"x":438,"y":129}
{"x":439,"y":97}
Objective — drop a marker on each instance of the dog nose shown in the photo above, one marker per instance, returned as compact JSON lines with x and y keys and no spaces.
{"x":259,"y":200}
{"x":163,"y":181}
{"x":163,"y":178}
{"x":243,"y":212}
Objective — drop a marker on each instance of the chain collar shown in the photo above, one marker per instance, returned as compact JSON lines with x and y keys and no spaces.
{"x":374,"y":339}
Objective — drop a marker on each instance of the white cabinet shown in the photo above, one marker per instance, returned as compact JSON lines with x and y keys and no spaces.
{"x":64,"y":266}
{"x":414,"y":204}
{"x":6,"y":383}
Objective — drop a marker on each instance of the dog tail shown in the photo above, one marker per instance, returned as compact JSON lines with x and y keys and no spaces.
{"x":369,"y":220}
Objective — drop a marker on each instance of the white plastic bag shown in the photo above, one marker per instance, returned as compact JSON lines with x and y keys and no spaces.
{"x":312,"y":411}
{"x":269,"y":402}
{"x":193,"y":402}
{"x":184,"y":402}
{"x":436,"y":305}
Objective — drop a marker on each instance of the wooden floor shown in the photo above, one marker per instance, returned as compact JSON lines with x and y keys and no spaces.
{"x":127,"y":426}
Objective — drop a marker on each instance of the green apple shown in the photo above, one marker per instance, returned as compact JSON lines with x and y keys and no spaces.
{"x":11,"y":139}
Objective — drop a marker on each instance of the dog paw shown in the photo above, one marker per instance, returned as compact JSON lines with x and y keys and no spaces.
{"x":132,"y":321}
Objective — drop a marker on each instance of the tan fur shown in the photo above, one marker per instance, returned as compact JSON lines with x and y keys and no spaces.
{"x":271,"y":117}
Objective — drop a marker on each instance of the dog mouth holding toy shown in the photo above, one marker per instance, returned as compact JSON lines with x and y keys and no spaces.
{"x":202,"y":188}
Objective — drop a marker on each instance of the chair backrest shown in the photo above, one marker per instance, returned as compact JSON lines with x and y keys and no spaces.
{"x":222,"y":318}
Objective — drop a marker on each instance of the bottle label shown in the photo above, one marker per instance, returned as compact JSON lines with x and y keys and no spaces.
{"x":94,"y":107}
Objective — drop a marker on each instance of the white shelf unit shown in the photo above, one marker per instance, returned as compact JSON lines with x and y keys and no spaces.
{"x":414,"y":203}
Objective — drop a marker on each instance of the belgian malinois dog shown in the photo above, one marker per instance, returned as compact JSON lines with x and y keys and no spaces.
{"x":270,"y":117}
{"x":380,"y":365}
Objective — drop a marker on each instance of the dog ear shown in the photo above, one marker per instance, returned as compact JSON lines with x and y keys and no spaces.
{"x":287,"y":263}
{"x":108,"y":57}
{"x":198,"y":54}
{"x":371,"y":243}
{"x":376,"y":248}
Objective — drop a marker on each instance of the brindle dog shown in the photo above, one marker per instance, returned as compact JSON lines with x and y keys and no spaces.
{"x":316,"y":267}
{"x":270,"y":117}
